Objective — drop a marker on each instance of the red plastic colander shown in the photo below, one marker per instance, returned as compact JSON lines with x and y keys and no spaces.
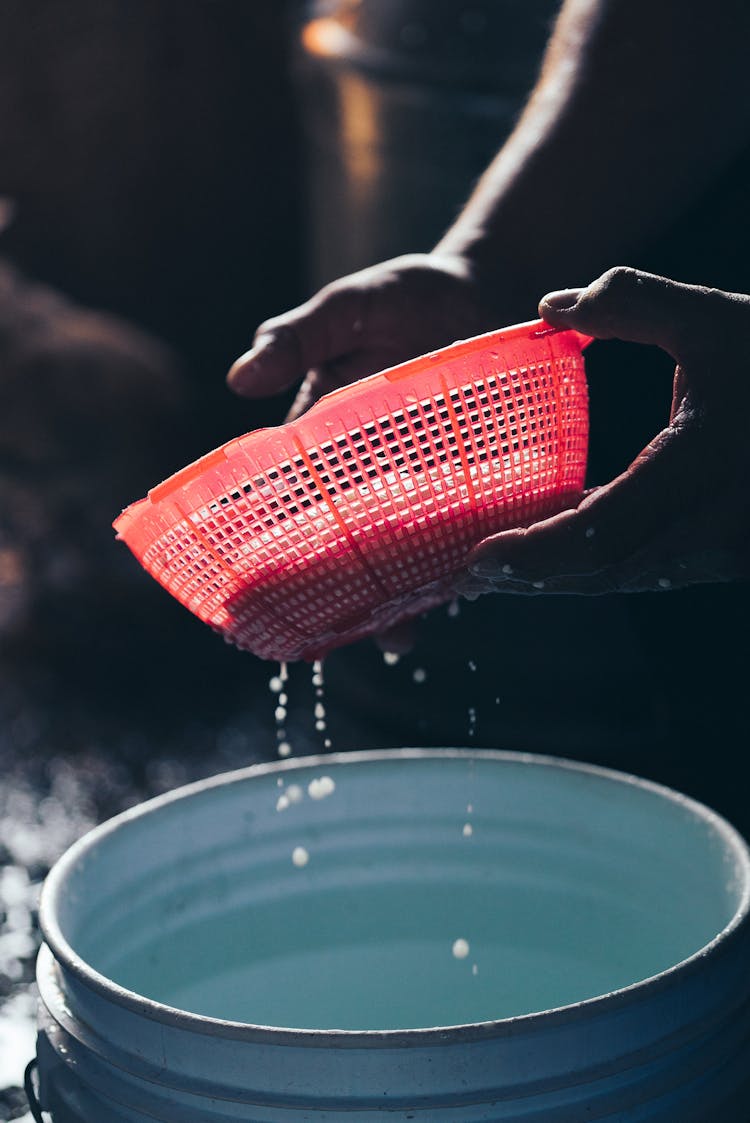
{"x":295,"y":540}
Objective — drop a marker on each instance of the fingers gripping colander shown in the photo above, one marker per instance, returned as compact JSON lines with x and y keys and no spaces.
{"x":294,"y":540}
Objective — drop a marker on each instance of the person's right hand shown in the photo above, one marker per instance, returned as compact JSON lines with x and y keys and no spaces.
{"x":679,"y":514}
{"x":361,"y":324}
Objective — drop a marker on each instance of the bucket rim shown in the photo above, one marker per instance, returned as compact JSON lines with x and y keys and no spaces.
{"x":68,"y":959}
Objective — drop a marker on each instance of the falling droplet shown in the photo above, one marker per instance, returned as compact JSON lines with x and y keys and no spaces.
{"x":391,"y":658}
{"x":468,"y":830}
{"x":295,"y":793}
{"x":321,"y":724}
{"x":461,"y":948}
{"x":472,"y":665}
{"x":420,"y":674}
{"x":300,"y":857}
{"x":454,"y":608}
{"x":472,"y":721}
{"x":321,"y":787}
{"x":277,"y":686}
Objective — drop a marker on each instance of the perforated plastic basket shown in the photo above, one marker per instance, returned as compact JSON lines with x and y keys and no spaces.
{"x":294,"y":540}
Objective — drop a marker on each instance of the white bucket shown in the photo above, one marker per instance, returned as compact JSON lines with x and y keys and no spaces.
{"x":193,"y":973}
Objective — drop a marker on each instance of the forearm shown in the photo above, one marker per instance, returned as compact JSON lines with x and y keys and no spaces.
{"x":638,"y":106}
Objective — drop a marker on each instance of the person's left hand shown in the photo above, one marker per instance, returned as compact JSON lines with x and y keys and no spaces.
{"x":680,"y":513}
{"x":363,"y":323}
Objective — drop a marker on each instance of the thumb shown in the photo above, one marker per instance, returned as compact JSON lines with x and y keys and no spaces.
{"x":287,"y":346}
{"x":684,"y":320}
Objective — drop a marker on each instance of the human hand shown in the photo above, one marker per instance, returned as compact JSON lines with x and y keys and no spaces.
{"x":680,"y":513}
{"x":361,"y":324}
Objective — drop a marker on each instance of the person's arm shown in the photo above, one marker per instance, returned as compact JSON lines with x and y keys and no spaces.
{"x":639,"y":104}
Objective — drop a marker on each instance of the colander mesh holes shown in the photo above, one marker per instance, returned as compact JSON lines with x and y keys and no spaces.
{"x":312,"y":535}
{"x":382,"y":511}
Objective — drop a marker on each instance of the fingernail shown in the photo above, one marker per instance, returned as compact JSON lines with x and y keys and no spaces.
{"x":469,"y":586}
{"x":487,"y":567}
{"x":237,"y":375}
{"x":563,"y":300}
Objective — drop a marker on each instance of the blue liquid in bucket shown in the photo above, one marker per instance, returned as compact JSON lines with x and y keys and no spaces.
{"x":382,"y":959}
{"x":361,"y":937}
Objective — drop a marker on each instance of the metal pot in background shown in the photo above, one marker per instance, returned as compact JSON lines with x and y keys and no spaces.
{"x":403,"y":104}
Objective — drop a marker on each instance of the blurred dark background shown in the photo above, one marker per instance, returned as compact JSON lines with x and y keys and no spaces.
{"x":171,"y":173}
